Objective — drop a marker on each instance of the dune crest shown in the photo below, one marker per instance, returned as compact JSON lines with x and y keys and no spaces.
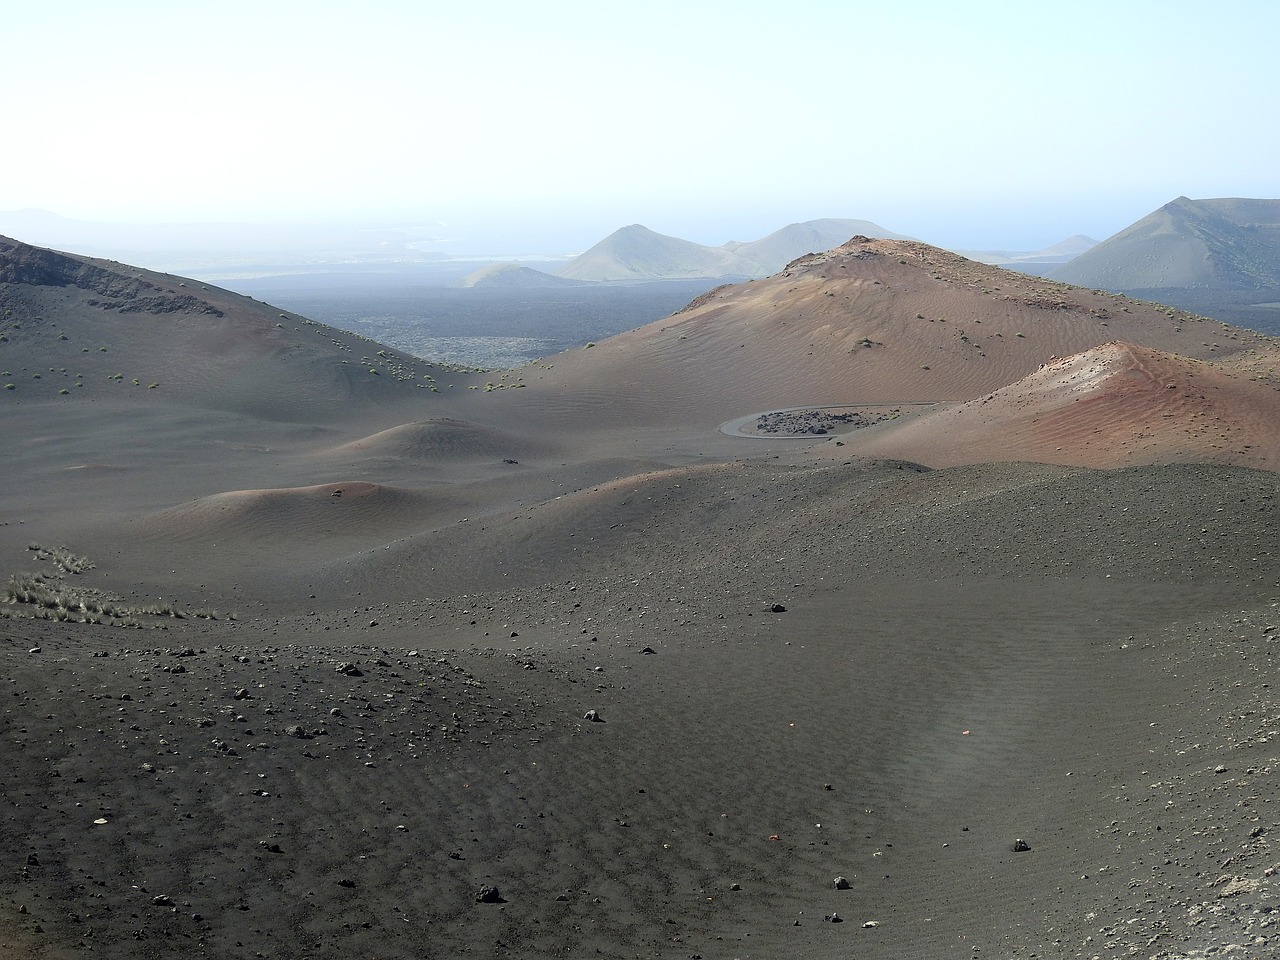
{"x":287,"y":513}
{"x":445,"y":438}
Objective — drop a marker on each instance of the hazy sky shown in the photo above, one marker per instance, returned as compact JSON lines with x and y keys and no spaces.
{"x":549,"y":124}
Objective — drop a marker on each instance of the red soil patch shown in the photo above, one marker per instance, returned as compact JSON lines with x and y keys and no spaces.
{"x":1116,"y":405}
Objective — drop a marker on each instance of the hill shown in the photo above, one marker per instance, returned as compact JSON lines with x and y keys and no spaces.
{"x":1115,"y":405}
{"x":872,"y":321}
{"x":637,"y":253}
{"x":1220,"y":258}
{"x":514,"y":276}
{"x":1213,"y":244}
{"x":81,"y":329}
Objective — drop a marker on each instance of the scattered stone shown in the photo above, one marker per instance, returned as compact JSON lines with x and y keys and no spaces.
{"x":350,"y":669}
{"x":735,"y":886}
{"x":648,"y":651}
{"x":593,"y":716}
{"x":242,"y":694}
{"x":1021,"y":846}
{"x":161,"y":901}
{"x":346,"y":882}
{"x":833,"y":918}
{"x":489,"y":894}
{"x":34,"y":650}
{"x":297,"y":731}
{"x":1237,"y":886}
{"x":871,"y":923}
{"x":778,"y":608}
{"x":33,"y":860}
{"x":841,"y":883}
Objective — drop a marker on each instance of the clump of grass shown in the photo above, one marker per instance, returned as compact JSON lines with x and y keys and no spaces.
{"x":48,"y":596}
{"x":61,"y":557}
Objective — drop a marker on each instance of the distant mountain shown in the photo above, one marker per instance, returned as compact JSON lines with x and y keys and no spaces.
{"x":770,"y":254}
{"x":513,"y":276}
{"x":1218,"y":258}
{"x":638,"y":253}
{"x":1225,"y":244}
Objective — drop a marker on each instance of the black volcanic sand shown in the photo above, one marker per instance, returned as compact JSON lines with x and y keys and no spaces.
{"x":967,"y":658}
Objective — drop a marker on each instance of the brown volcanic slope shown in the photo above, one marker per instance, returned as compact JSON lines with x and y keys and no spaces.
{"x":874,"y":321}
{"x":398,"y":714}
{"x":1113,"y":406}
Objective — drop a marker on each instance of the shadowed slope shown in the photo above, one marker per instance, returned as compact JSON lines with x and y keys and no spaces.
{"x":98,"y":329}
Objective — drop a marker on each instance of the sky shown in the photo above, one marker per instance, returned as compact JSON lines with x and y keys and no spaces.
{"x":503,"y":126}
